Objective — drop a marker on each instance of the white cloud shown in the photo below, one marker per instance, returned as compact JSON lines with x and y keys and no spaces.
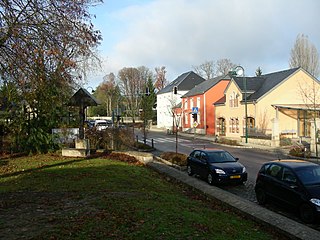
{"x":181,"y":33}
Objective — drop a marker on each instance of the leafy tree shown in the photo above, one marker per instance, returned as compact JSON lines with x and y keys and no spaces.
{"x":147,"y":105}
{"x":304,"y":54}
{"x":108,"y":94}
{"x":42,"y":46}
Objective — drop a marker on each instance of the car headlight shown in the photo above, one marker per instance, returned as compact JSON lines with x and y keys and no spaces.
{"x":315,"y":201}
{"x":244,"y":169}
{"x":219,"y":171}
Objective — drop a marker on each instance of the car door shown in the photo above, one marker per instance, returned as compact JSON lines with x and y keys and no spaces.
{"x":203,"y":165}
{"x":194,"y":161}
{"x":283,"y":185}
{"x":290,"y":190}
{"x":272,"y":180}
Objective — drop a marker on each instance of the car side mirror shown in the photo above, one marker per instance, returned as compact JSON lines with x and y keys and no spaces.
{"x":237,"y":159}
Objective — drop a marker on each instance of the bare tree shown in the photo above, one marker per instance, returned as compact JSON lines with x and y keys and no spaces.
{"x":205,"y":70}
{"x":310,"y":93}
{"x":223,"y":66}
{"x":131,"y":85}
{"x":161,"y":80}
{"x":304,"y":54}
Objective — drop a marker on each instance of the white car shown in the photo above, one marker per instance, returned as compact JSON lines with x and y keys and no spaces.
{"x":101,"y":124}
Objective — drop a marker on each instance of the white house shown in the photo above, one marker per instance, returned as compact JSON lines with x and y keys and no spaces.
{"x":170,"y":96}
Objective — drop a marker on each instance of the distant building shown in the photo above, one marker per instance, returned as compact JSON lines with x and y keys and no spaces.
{"x":170,"y":96}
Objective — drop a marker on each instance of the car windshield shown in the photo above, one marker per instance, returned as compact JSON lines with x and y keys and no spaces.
{"x":220,"y":157}
{"x":309,"y":175}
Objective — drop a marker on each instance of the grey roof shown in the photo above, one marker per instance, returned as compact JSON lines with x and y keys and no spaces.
{"x":259,"y":86}
{"x":205,"y":86}
{"x":184,"y":82}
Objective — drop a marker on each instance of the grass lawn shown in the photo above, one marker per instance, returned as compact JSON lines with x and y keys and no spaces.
{"x":51,"y":197}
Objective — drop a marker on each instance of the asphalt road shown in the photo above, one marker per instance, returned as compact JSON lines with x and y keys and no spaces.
{"x":252,"y":159}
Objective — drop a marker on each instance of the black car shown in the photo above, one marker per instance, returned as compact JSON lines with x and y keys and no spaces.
{"x":294,"y":183}
{"x":216,"y":166}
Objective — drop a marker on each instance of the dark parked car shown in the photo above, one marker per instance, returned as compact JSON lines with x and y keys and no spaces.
{"x":216,"y":166}
{"x":294,"y":183}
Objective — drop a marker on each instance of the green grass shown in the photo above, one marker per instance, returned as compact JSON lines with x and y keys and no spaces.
{"x":108,"y":199}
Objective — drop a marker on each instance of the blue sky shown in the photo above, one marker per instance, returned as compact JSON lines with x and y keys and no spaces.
{"x":179,"y":34}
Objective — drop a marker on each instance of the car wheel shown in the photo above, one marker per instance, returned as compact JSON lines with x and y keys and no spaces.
{"x":307,"y":213}
{"x":261,"y":196}
{"x":210,"y":179}
{"x":189,"y":170}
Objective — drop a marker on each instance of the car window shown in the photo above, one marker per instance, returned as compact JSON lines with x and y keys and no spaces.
{"x":203,"y":157}
{"x":309,"y":175}
{"x":220,"y":157}
{"x":274,"y":171}
{"x":288,"y":176}
{"x":196,"y":154}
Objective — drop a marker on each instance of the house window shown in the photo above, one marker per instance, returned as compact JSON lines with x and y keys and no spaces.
{"x":221,"y":126}
{"x":191,"y":103}
{"x":186,"y":115}
{"x":185,"y":104}
{"x":234,"y":125}
{"x":234,"y":100}
{"x":231,"y":101}
{"x":198,"y":102}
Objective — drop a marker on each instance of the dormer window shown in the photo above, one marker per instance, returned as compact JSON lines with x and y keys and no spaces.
{"x":234,"y":100}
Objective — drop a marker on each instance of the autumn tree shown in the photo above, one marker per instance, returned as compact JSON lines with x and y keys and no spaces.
{"x":42,"y":46}
{"x":206,"y":69}
{"x":304,"y":54}
{"x":161,"y":80}
{"x":108,"y":94}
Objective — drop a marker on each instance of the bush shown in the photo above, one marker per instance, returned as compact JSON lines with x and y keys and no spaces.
{"x":285,"y":141}
{"x":228,"y":141}
{"x":175,"y":158}
{"x":298,"y":151}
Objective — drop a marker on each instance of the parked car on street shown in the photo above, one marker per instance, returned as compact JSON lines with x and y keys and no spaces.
{"x":102,"y":124}
{"x":216,"y":166}
{"x":294,"y":183}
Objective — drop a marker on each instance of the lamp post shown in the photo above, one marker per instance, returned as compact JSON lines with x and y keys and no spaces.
{"x":240,"y":71}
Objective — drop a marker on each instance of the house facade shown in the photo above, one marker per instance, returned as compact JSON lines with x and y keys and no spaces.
{"x":170,"y":96}
{"x":199,"y":101}
{"x":276,"y":104}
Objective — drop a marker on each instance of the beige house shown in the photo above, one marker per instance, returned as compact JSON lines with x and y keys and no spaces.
{"x":277,"y":105}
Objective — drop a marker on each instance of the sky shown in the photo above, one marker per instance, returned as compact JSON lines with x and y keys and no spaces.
{"x":180,"y":34}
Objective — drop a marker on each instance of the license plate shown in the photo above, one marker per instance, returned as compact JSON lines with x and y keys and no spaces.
{"x":235,"y":176}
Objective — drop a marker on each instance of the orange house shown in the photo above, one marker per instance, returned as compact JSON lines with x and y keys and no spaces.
{"x":197,"y":109}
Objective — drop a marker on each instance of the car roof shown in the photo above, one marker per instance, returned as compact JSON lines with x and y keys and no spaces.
{"x":209,"y":150}
{"x":293,"y":163}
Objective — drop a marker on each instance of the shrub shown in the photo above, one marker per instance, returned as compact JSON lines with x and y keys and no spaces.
{"x":228,"y":141}
{"x":298,"y":151}
{"x":176,"y":158}
{"x":285,"y":141}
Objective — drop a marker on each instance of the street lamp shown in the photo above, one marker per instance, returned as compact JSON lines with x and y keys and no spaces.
{"x":240,"y":71}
